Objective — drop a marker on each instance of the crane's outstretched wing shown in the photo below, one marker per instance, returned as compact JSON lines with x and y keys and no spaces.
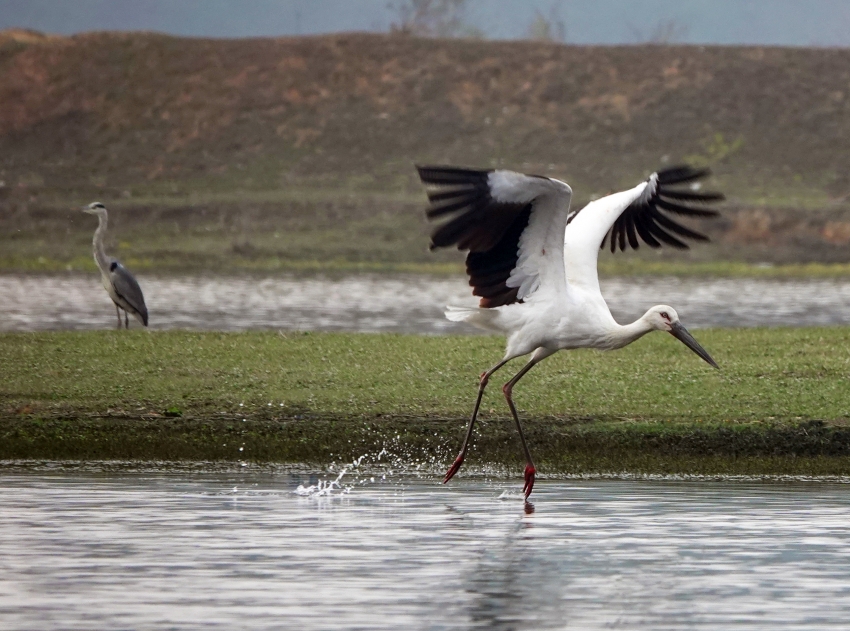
{"x":639,"y":214}
{"x":128,"y":289}
{"x":511,"y":224}
{"x":644,"y":217}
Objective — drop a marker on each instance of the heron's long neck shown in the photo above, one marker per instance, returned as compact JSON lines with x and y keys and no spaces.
{"x":97,"y":244}
{"x":626,"y":334}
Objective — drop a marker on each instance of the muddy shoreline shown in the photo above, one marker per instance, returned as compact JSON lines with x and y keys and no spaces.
{"x":561,"y":446}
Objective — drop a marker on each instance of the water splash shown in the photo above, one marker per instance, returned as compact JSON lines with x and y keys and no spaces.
{"x":325,"y":488}
{"x":336,"y":487}
{"x":511,"y":495}
{"x":389,"y":464}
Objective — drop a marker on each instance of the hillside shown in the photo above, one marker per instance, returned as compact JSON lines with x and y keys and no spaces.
{"x":272,"y":132}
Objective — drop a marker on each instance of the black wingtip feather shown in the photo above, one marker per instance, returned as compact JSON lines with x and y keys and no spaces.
{"x":681,"y":174}
{"x":643,"y":231}
{"x":490,"y":231}
{"x":679,"y":209}
{"x":445,"y":209}
{"x":644,"y":218}
{"x":451,"y":194}
{"x":672,"y":226}
{"x":692,"y":196}
{"x":665,"y":237}
{"x":445,"y":175}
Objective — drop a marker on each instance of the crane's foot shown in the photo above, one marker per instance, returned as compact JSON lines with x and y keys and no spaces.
{"x":454,"y":468}
{"x":530,"y":472}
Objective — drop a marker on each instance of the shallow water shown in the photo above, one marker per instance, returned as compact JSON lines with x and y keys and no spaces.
{"x":405,"y":303}
{"x":249,"y":550}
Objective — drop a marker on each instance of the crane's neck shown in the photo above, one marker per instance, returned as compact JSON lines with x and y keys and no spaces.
{"x":97,"y":244}
{"x":623,"y":335}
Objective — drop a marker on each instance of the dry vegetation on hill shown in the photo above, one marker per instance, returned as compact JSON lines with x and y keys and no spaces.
{"x":222,"y":141}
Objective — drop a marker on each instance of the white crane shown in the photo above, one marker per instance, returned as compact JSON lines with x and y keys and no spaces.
{"x":533,"y":263}
{"x":117,"y":281}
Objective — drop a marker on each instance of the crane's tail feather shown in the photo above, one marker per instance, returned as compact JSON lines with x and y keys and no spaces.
{"x":460,"y":314}
{"x":476,"y":316}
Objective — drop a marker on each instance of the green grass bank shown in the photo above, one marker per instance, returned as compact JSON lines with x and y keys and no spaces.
{"x":779,"y":405}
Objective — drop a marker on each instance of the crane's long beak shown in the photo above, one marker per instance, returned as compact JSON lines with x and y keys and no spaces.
{"x":681,"y":334}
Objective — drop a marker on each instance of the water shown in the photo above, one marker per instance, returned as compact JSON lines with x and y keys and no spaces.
{"x":244,"y":550}
{"x":404,"y":303}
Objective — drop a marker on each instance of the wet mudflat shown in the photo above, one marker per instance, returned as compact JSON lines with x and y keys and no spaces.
{"x":270,"y":549}
{"x":404,"y":303}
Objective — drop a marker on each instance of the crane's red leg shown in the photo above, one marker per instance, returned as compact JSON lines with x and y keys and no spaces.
{"x":485,"y":377}
{"x":530,"y":471}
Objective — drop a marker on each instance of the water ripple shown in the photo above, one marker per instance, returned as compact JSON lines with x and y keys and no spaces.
{"x":243,"y":550}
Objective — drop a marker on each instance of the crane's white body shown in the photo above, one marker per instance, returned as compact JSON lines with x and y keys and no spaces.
{"x":534,"y":265}
{"x":563,"y":307}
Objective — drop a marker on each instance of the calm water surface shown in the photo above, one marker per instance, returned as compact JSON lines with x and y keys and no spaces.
{"x":252,"y":550}
{"x":404,"y":303}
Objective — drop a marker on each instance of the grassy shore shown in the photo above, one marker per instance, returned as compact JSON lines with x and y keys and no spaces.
{"x":779,"y":404}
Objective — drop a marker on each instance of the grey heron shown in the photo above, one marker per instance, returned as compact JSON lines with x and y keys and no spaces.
{"x":118,"y":282}
{"x":533,"y":263}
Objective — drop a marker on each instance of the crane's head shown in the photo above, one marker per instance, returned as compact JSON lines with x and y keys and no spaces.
{"x":665,"y":318}
{"x":95,"y":208}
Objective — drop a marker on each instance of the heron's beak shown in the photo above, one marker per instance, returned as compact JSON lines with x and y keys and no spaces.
{"x":681,"y":334}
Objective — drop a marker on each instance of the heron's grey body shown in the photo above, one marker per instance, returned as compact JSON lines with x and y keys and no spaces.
{"x":117,"y":281}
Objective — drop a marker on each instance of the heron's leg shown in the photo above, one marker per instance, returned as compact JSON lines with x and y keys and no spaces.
{"x":126,"y":320}
{"x":530,"y":471}
{"x":118,"y":313}
{"x":485,"y":377}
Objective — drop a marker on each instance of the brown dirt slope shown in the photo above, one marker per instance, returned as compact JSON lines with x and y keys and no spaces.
{"x":143,"y":115}
{"x":147,"y":106}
